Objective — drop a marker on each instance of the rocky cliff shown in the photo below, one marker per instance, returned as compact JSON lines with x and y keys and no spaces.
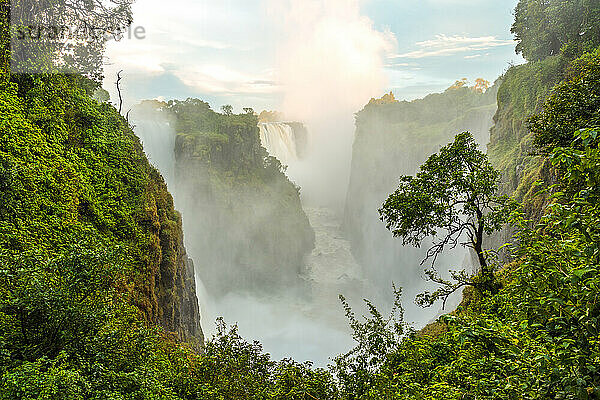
{"x":242,"y":214}
{"x":73,"y":173}
{"x":392,"y":139}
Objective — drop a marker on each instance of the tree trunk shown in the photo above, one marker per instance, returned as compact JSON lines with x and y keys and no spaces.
{"x":486,"y":272}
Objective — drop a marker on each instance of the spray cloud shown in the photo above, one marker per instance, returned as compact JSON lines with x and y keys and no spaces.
{"x":331,"y":62}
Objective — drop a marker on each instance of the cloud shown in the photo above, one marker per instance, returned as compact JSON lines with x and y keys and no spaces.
{"x":331,"y":57}
{"x":444,"y":45}
{"x":403,"y":65}
{"x":221,"y":79}
{"x":213,"y":49}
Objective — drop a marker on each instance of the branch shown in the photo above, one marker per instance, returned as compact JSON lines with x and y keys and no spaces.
{"x":119,"y":90}
{"x":447,"y":288}
{"x":451,"y":240}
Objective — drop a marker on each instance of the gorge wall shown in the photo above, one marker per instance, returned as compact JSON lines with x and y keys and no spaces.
{"x":523,"y":91}
{"x":243,"y":217}
{"x":393,"y":139}
{"x":73,"y":174}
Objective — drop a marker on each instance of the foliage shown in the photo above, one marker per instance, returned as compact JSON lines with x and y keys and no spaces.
{"x":232,"y":368}
{"x":60,"y":36}
{"x":387,"y":98}
{"x":71,"y":168}
{"x":546,"y":28}
{"x":359,"y":370}
{"x":67,"y":332}
{"x":227,"y":109}
{"x":452,"y":196}
{"x":537,"y":337}
{"x":573,"y":104}
{"x":270,"y":116}
{"x":459,"y":84}
{"x":481,"y":85}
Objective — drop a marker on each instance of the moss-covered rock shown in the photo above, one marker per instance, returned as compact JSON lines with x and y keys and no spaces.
{"x":73,"y":171}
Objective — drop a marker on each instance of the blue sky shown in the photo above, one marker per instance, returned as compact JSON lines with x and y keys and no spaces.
{"x":418,"y":21}
{"x":231,"y":51}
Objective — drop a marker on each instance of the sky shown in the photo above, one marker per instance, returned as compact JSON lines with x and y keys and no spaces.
{"x":236,"y":51}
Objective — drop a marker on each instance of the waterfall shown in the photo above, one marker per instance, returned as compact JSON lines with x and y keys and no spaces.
{"x":279,"y":140}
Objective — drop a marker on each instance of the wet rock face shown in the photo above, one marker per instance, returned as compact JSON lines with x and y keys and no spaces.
{"x":179,"y":312}
{"x":174,"y":304}
{"x":244,"y":222}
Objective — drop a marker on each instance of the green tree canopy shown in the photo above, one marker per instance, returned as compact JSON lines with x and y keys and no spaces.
{"x":452,"y":197}
{"x":573,"y":105}
{"x":59,"y":36}
{"x":545,"y":27}
{"x":227,"y":109}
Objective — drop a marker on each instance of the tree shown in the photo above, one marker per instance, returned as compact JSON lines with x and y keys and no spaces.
{"x":249,"y":110}
{"x":64,"y":36}
{"x":544,"y":28}
{"x":387,"y":98}
{"x":227,"y":109}
{"x":573,"y":105}
{"x":459,"y":84}
{"x":454,"y":195}
{"x":481,"y":85}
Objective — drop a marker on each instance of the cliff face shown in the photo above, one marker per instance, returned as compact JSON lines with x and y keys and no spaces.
{"x":171,"y":289}
{"x":242,"y":213}
{"x":393,"y":139}
{"x":73,"y":172}
{"x":523,"y":91}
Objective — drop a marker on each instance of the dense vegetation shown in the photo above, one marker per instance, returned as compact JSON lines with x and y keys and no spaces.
{"x":537,"y":338}
{"x":92,"y":267}
{"x":546,"y":28}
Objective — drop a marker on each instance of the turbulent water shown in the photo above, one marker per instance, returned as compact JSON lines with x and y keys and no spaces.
{"x":307,"y":322}
{"x":278,"y":138}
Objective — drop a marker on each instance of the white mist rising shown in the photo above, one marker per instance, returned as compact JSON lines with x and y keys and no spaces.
{"x":331,"y":62}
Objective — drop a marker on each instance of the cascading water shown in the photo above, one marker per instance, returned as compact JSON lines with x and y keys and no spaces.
{"x":279,"y":140}
{"x":311,"y":315}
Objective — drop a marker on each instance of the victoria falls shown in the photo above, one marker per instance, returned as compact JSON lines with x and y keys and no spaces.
{"x":299,"y":199}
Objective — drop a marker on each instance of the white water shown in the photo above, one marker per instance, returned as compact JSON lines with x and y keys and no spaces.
{"x":306,"y":322}
{"x":279,"y":140}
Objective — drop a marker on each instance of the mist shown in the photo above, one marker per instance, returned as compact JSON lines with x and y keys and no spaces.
{"x":275,"y":268}
{"x":330,"y":63}
{"x":254,"y":264}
